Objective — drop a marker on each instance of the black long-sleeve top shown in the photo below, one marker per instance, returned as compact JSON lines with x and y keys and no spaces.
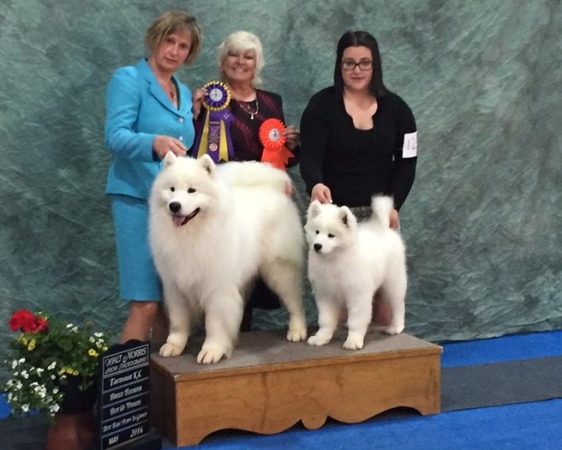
{"x":353,"y":163}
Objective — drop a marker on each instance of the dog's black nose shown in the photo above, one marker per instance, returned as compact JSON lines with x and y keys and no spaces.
{"x":317,"y":247}
{"x":175,"y":207}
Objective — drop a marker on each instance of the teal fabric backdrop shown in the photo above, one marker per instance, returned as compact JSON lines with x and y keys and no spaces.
{"x":482,"y":223}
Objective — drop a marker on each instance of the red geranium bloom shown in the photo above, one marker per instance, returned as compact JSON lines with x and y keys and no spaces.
{"x":21,"y":319}
{"x":27,"y":322}
{"x":41,"y":325}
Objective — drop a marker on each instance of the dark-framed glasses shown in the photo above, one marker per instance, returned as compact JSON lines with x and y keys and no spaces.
{"x":349,"y":65}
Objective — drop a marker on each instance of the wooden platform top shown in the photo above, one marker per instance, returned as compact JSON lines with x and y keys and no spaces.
{"x":266,"y":351}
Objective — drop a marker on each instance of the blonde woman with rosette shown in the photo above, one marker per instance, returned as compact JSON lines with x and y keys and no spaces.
{"x":240,"y":60}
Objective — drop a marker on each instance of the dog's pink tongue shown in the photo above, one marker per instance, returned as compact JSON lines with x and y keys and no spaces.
{"x":178,"y":220}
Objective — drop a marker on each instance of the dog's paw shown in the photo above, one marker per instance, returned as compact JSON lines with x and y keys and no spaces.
{"x":168,"y":350}
{"x":317,"y":341}
{"x":353,"y":344}
{"x":210,"y":355}
{"x":392,"y":329}
{"x":296,"y":334}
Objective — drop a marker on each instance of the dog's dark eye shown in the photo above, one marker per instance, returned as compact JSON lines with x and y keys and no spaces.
{"x":317,"y":232}
{"x":331,"y":236}
{"x":172,"y":188}
{"x":191,"y":190}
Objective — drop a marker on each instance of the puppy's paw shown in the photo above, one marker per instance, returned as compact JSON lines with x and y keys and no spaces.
{"x":168,"y":350}
{"x":392,"y":329}
{"x":353,"y":343}
{"x":317,"y":340}
{"x":210,"y":354}
{"x":296,"y":334}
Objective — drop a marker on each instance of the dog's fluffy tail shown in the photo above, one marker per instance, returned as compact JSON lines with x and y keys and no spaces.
{"x":254,"y":174}
{"x":382,"y":207}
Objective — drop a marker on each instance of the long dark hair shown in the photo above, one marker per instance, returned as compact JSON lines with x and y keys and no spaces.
{"x":363,"y":39}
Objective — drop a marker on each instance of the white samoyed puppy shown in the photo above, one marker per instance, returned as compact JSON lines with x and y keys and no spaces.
{"x":348,"y":262}
{"x":212,"y":230}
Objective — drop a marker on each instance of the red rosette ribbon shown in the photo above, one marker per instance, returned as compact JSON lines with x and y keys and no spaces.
{"x":272,"y":137}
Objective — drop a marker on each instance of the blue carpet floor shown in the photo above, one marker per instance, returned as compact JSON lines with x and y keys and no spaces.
{"x":527,"y":426}
{"x":531,"y":425}
{"x":502,"y":349}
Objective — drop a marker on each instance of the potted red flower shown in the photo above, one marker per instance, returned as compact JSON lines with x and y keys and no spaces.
{"x":48,"y":357}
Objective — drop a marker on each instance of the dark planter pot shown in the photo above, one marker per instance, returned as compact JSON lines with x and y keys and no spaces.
{"x":74,"y":427}
{"x":75,"y":400}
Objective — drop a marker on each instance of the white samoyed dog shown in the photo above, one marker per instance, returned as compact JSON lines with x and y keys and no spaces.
{"x":348,"y":262}
{"x":212,"y":230}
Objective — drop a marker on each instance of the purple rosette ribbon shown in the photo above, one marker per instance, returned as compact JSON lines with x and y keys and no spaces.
{"x":214,"y":140}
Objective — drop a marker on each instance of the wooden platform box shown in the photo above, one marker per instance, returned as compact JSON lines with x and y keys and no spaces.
{"x":270,"y":384}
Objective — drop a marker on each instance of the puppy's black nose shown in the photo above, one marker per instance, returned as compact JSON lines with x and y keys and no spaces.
{"x":175,"y":207}
{"x":317,"y":247}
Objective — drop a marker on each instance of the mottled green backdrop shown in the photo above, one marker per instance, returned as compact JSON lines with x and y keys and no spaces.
{"x":483,"y":77}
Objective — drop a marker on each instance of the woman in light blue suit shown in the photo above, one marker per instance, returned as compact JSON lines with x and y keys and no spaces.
{"x":149,"y":113}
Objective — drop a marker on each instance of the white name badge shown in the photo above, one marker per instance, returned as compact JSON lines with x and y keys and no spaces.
{"x":410,"y":147}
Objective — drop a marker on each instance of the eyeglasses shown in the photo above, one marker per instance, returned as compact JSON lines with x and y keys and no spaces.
{"x":350,"y":65}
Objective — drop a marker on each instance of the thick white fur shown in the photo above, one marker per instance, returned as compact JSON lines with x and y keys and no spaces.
{"x":243,"y":224}
{"x":348,"y":262}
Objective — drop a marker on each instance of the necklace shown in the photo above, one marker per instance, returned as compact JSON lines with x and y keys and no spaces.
{"x":248,"y":110}
{"x":173,"y":91}
{"x":169,"y":88}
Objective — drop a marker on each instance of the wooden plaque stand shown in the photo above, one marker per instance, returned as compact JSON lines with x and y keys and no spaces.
{"x":270,"y":384}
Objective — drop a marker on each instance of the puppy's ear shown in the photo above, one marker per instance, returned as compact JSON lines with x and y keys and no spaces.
{"x":313,"y":209}
{"x":347,"y":218}
{"x":207,"y":163}
{"x":169,"y":159}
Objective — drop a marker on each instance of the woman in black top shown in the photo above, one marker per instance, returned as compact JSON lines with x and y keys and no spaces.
{"x":358,"y":138}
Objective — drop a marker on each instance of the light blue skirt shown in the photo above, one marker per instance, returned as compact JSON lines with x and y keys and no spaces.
{"x":138,"y":279}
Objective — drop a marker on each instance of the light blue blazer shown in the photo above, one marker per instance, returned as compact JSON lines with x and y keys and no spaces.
{"x":137,"y":110}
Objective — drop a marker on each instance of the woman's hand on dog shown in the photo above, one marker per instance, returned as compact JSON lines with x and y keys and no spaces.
{"x":165,"y":144}
{"x":322,"y":193}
